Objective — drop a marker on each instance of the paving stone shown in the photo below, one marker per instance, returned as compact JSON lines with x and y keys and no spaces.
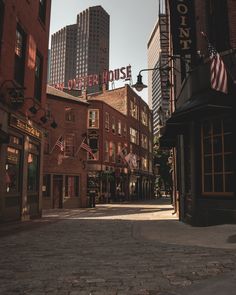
{"x":77,"y":255}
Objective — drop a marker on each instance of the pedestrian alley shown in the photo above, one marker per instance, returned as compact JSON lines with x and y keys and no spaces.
{"x":139,"y":248}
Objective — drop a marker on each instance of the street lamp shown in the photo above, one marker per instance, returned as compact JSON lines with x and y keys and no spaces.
{"x":139,"y":86}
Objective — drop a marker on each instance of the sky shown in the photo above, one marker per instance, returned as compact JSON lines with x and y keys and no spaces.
{"x":131,"y":24}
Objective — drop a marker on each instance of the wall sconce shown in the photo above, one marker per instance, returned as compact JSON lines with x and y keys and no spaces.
{"x":53,"y":124}
{"x":15,"y":93}
{"x":33,"y":110}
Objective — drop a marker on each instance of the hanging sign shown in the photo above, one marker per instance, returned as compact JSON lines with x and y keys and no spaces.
{"x":182,"y":21}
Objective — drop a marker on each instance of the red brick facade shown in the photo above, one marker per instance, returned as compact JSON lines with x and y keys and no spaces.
{"x":63,"y":168}
{"x":24,"y":32}
{"x":125,"y":108}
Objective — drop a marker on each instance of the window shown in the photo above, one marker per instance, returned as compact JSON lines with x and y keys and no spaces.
{"x":113,"y":125}
{"x":119,"y":149}
{"x":125,"y":130}
{"x":133,"y":109}
{"x":217,"y":157}
{"x":72,"y":186}
{"x":112,"y":152}
{"x":133,"y":135}
{"x":144,"y":141}
{"x":38,"y":76}
{"x":42,"y":10}
{"x":69,"y":114}
{"x":33,"y":167}
{"x":20,"y":55}
{"x":144,"y":117}
{"x":119,"y":128}
{"x":107,"y":121}
{"x":46,"y":185}
{"x":93,"y":119}
{"x":13,"y":170}
{"x":106,"y":156}
{"x":70,"y":145}
{"x":144,"y":163}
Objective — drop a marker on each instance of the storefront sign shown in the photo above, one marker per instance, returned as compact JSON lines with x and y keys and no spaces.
{"x":96,"y":79}
{"x":25,"y":127}
{"x":183,"y":26}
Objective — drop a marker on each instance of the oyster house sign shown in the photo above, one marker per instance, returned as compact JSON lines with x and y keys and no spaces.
{"x":105,"y":77}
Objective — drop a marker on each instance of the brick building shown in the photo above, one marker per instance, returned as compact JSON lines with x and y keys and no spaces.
{"x":119,"y":124}
{"x":200,"y":129}
{"x":65,"y":163}
{"x":24,"y":32}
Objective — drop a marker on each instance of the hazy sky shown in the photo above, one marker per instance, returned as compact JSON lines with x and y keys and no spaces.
{"x":131,"y":23}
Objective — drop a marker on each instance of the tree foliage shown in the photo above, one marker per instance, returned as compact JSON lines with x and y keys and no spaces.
{"x":162,"y":159}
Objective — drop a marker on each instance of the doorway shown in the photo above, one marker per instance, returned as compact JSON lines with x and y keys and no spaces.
{"x":57,"y":191}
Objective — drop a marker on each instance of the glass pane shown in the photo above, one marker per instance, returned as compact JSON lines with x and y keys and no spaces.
{"x":217,"y":144}
{"x":218,"y":183}
{"x":217,"y":127}
{"x":206,"y":129}
{"x":46,"y":185}
{"x":228,"y":142}
{"x":218,"y":164}
{"x":207,"y":164}
{"x":228,"y":162}
{"x":228,"y":125}
{"x":229,"y":182}
{"x":207,"y":183}
{"x":12,"y":170}
{"x":32,"y":172}
{"x":207,"y":146}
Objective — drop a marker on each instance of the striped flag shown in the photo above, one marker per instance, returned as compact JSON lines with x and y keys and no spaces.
{"x":60,"y":143}
{"x":219,"y":81}
{"x":86,"y":147}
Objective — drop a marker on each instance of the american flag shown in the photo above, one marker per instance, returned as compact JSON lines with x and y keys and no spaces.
{"x":60,"y":143}
{"x":218,"y":72}
{"x":86,"y":147}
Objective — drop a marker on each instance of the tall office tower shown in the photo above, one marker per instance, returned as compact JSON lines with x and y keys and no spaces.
{"x":158,"y":55}
{"x":93,"y":29}
{"x":63,"y":55}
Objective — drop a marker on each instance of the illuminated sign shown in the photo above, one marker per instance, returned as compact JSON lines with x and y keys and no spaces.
{"x":25,"y":127}
{"x":97,"y":79}
{"x":183,"y":26}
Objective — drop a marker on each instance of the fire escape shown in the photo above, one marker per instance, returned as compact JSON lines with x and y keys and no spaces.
{"x":165,"y":66}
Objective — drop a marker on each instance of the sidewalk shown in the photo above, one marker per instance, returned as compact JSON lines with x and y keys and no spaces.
{"x":167,"y":229}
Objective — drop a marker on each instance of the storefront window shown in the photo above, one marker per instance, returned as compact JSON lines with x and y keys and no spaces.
{"x":33,"y":168}
{"x":72,"y":186}
{"x":32,"y":172}
{"x":46,"y":185}
{"x":217,"y":170}
{"x":12,"y":170}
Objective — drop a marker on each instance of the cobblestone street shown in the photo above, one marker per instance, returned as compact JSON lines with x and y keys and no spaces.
{"x":112,"y":249}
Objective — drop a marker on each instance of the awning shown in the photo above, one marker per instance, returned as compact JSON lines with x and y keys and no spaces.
{"x":202,"y":105}
{"x":4,"y":137}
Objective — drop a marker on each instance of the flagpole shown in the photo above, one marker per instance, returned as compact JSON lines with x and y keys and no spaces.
{"x":79,"y":148}
{"x":55,"y":144}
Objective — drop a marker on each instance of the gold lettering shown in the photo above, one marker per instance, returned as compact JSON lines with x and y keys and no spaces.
{"x":184,"y":32}
{"x":185,"y":44}
{"x":183,"y":20}
{"x":182,"y":8}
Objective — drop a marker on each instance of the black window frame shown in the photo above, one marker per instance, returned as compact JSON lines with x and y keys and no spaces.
{"x":19,"y":68}
{"x":38,"y":76}
{"x":42,"y":10}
